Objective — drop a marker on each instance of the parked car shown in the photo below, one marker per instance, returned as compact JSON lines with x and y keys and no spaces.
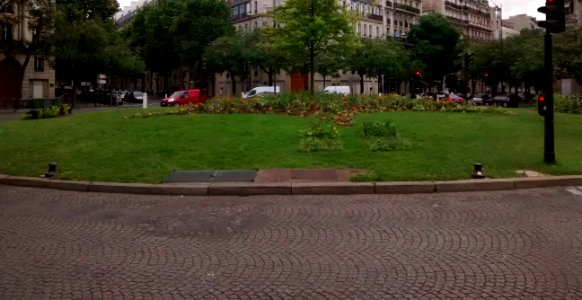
{"x":479,"y":99}
{"x":456,"y":98}
{"x":337,"y":89}
{"x":440,"y":96}
{"x":184,"y":97}
{"x":500,"y":100}
{"x":261,"y":90}
{"x":134,"y":97}
{"x":119,"y":94}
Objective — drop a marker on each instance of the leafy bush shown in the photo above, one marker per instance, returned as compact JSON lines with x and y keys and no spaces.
{"x":321,"y":135}
{"x":568,"y":104}
{"x":383,"y":136}
{"x":379,"y":129}
{"x":47,"y":112}
{"x":341,"y":108}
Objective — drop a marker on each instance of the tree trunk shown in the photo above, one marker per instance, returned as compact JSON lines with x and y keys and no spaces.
{"x":232,"y":83}
{"x":361,"y":83}
{"x":311,"y":67}
{"x":379,"y":84}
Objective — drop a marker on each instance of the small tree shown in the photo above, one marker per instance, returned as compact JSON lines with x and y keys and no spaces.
{"x":227,"y":54}
{"x":437,"y":45}
{"x":312,"y":27}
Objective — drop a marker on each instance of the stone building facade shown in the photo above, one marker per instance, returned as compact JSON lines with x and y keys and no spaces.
{"x":376,"y":19}
{"x":16,"y":32}
{"x":473,"y":17}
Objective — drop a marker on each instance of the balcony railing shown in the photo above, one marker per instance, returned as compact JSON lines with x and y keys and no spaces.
{"x":407,"y":8}
{"x":375,"y":17}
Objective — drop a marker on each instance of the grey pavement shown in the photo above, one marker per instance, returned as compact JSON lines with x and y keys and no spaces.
{"x":12,"y":115}
{"x":515,"y":244}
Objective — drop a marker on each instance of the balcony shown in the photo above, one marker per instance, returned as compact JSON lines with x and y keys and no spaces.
{"x":375,"y":17}
{"x":240,"y":16}
{"x":407,"y":8}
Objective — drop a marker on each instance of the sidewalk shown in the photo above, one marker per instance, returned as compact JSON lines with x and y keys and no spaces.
{"x":13,"y":115}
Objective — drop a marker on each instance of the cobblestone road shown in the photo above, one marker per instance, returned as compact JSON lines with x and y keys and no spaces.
{"x":67,"y":245}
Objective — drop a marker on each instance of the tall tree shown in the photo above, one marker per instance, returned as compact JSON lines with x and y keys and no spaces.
{"x":437,"y":45}
{"x":568,"y":56}
{"x":86,"y":42}
{"x":150,"y":35}
{"x":227,"y":53}
{"x":198,"y":24}
{"x":312,"y":27}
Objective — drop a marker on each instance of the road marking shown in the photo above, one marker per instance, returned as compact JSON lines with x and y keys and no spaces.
{"x":575,"y":190}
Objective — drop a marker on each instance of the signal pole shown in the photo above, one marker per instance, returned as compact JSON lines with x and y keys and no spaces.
{"x":555,"y":22}
{"x":549,"y":152}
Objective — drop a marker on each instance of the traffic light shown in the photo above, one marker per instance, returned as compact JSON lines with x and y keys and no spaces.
{"x":417,"y":73}
{"x":555,"y":16}
{"x":541,"y":105}
{"x":468,"y":59}
{"x":486,"y":75}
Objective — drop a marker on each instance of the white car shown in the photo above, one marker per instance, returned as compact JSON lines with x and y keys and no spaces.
{"x":261,"y":90}
{"x":337,"y":89}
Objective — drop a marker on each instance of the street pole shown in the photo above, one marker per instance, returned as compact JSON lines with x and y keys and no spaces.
{"x":549,"y":154}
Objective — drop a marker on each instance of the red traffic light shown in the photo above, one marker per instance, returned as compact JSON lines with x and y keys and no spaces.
{"x":486,"y":74}
{"x":555,"y":12}
{"x":541,"y":98}
{"x":417,"y":73}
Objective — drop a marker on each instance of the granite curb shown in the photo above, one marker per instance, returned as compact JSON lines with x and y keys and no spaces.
{"x":296,"y":188}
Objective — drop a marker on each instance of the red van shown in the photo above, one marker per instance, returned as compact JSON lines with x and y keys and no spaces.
{"x":184,"y":97}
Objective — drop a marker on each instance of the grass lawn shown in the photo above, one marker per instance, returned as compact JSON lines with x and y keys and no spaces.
{"x":103,"y":146}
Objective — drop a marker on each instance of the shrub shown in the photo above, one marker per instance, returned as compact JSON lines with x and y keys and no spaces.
{"x":47,"y":112}
{"x":568,"y":104}
{"x":383,"y":136}
{"x":322,"y":135}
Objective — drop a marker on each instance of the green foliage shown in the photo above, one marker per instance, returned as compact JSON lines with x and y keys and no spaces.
{"x":377,"y":58}
{"x":383,"y":136}
{"x":198,"y":24}
{"x":366,"y":177}
{"x":103,"y":146}
{"x":231,"y":53}
{"x":321,"y":136}
{"x":437,"y":45}
{"x":150,"y":35}
{"x":341,"y":109}
{"x":87,"y":42}
{"x":568,"y":104}
{"x":312,"y":28}
{"x":380,"y":129}
{"x":47,"y":112}
{"x":567,"y":54}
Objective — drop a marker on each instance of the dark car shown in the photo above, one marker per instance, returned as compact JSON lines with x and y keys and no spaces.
{"x":479,"y":99}
{"x":134,"y":97}
{"x":499,"y":100}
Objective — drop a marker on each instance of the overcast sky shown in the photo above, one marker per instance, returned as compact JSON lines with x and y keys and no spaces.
{"x":509,"y":7}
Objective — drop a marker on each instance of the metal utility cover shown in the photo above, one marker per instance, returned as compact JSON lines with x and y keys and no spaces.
{"x":211,"y":176}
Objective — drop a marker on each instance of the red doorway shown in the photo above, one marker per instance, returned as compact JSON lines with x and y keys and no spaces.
{"x":8,"y":77}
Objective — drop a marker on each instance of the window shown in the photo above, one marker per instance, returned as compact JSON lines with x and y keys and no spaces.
{"x":7,"y":8}
{"x":38,"y":64}
{"x":5,"y":32}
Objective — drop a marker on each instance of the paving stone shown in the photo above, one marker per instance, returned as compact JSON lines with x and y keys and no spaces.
{"x":518,"y":244}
